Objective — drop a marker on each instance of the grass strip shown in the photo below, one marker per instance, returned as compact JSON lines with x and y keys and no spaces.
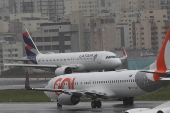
{"x":22,"y":95}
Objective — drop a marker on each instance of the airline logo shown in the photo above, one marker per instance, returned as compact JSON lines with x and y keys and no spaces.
{"x":95,"y":56}
{"x":89,"y":56}
{"x":108,"y":57}
{"x":59,"y":83}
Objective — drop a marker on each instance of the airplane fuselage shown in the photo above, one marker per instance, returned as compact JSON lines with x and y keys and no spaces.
{"x":86,"y":61}
{"x":129,"y":83}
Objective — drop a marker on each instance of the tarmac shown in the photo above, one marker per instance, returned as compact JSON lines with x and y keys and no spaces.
{"x":82,"y":107}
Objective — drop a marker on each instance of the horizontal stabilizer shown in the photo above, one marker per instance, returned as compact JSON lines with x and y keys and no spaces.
{"x":162,"y":78}
{"x":157,"y":72}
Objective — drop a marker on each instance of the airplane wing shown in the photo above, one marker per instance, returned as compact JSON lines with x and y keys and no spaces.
{"x":81,"y":93}
{"x":39,"y":66}
{"x":164,"y":105}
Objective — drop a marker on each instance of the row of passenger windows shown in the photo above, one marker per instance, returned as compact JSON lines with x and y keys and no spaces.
{"x":100,"y":82}
{"x":65,"y":59}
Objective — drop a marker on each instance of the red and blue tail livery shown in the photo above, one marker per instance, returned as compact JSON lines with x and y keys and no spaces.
{"x":30,"y":48}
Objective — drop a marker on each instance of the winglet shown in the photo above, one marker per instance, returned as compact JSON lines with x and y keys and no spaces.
{"x":124,"y":54}
{"x":27,"y":86}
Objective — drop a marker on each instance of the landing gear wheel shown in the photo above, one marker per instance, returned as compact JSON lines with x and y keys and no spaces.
{"x":98,"y":104}
{"x":59,"y":105}
{"x":125,"y":101}
{"x":93,"y":104}
{"x":128,"y":101}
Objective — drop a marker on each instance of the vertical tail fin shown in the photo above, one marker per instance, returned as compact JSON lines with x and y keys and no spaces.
{"x":30,"y":47}
{"x":124,"y":54}
{"x":162,"y":63}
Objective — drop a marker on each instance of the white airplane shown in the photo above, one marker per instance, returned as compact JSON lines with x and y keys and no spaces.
{"x":66,"y":63}
{"x":163,"y":108}
{"x":126,"y":84}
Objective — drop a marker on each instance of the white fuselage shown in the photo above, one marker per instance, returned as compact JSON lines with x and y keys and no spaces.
{"x":85,"y":61}
{"x":113,"y":83}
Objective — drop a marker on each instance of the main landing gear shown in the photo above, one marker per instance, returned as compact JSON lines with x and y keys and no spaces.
{"x":128,"y":101}
{"x":59,"y":105}
{"x":95,"y":104}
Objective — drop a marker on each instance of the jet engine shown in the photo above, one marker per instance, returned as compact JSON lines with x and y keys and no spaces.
{"x":63,"y":70}
{"x":136,"y":110}
{"x":65,"y":99}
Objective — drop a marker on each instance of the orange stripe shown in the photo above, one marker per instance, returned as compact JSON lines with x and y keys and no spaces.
{"x":73,"y":83}
{"x":59,"y":87}
{"x":160,"y":62}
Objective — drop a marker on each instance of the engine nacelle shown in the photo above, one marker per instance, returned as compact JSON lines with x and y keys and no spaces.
{"x":164,"y":110}
{"x":65,"y":99}
{"x":63,"y":70}
{"x":136,"y":110}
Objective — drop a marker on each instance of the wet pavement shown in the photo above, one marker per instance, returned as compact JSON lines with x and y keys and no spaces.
{"x":82,"y":107}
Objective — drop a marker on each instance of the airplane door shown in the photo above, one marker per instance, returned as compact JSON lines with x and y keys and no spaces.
{"x":98,"y":58}
{"x":146,"y":83}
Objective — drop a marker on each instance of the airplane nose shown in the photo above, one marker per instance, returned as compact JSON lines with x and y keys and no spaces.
{"x":117,"y":62}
